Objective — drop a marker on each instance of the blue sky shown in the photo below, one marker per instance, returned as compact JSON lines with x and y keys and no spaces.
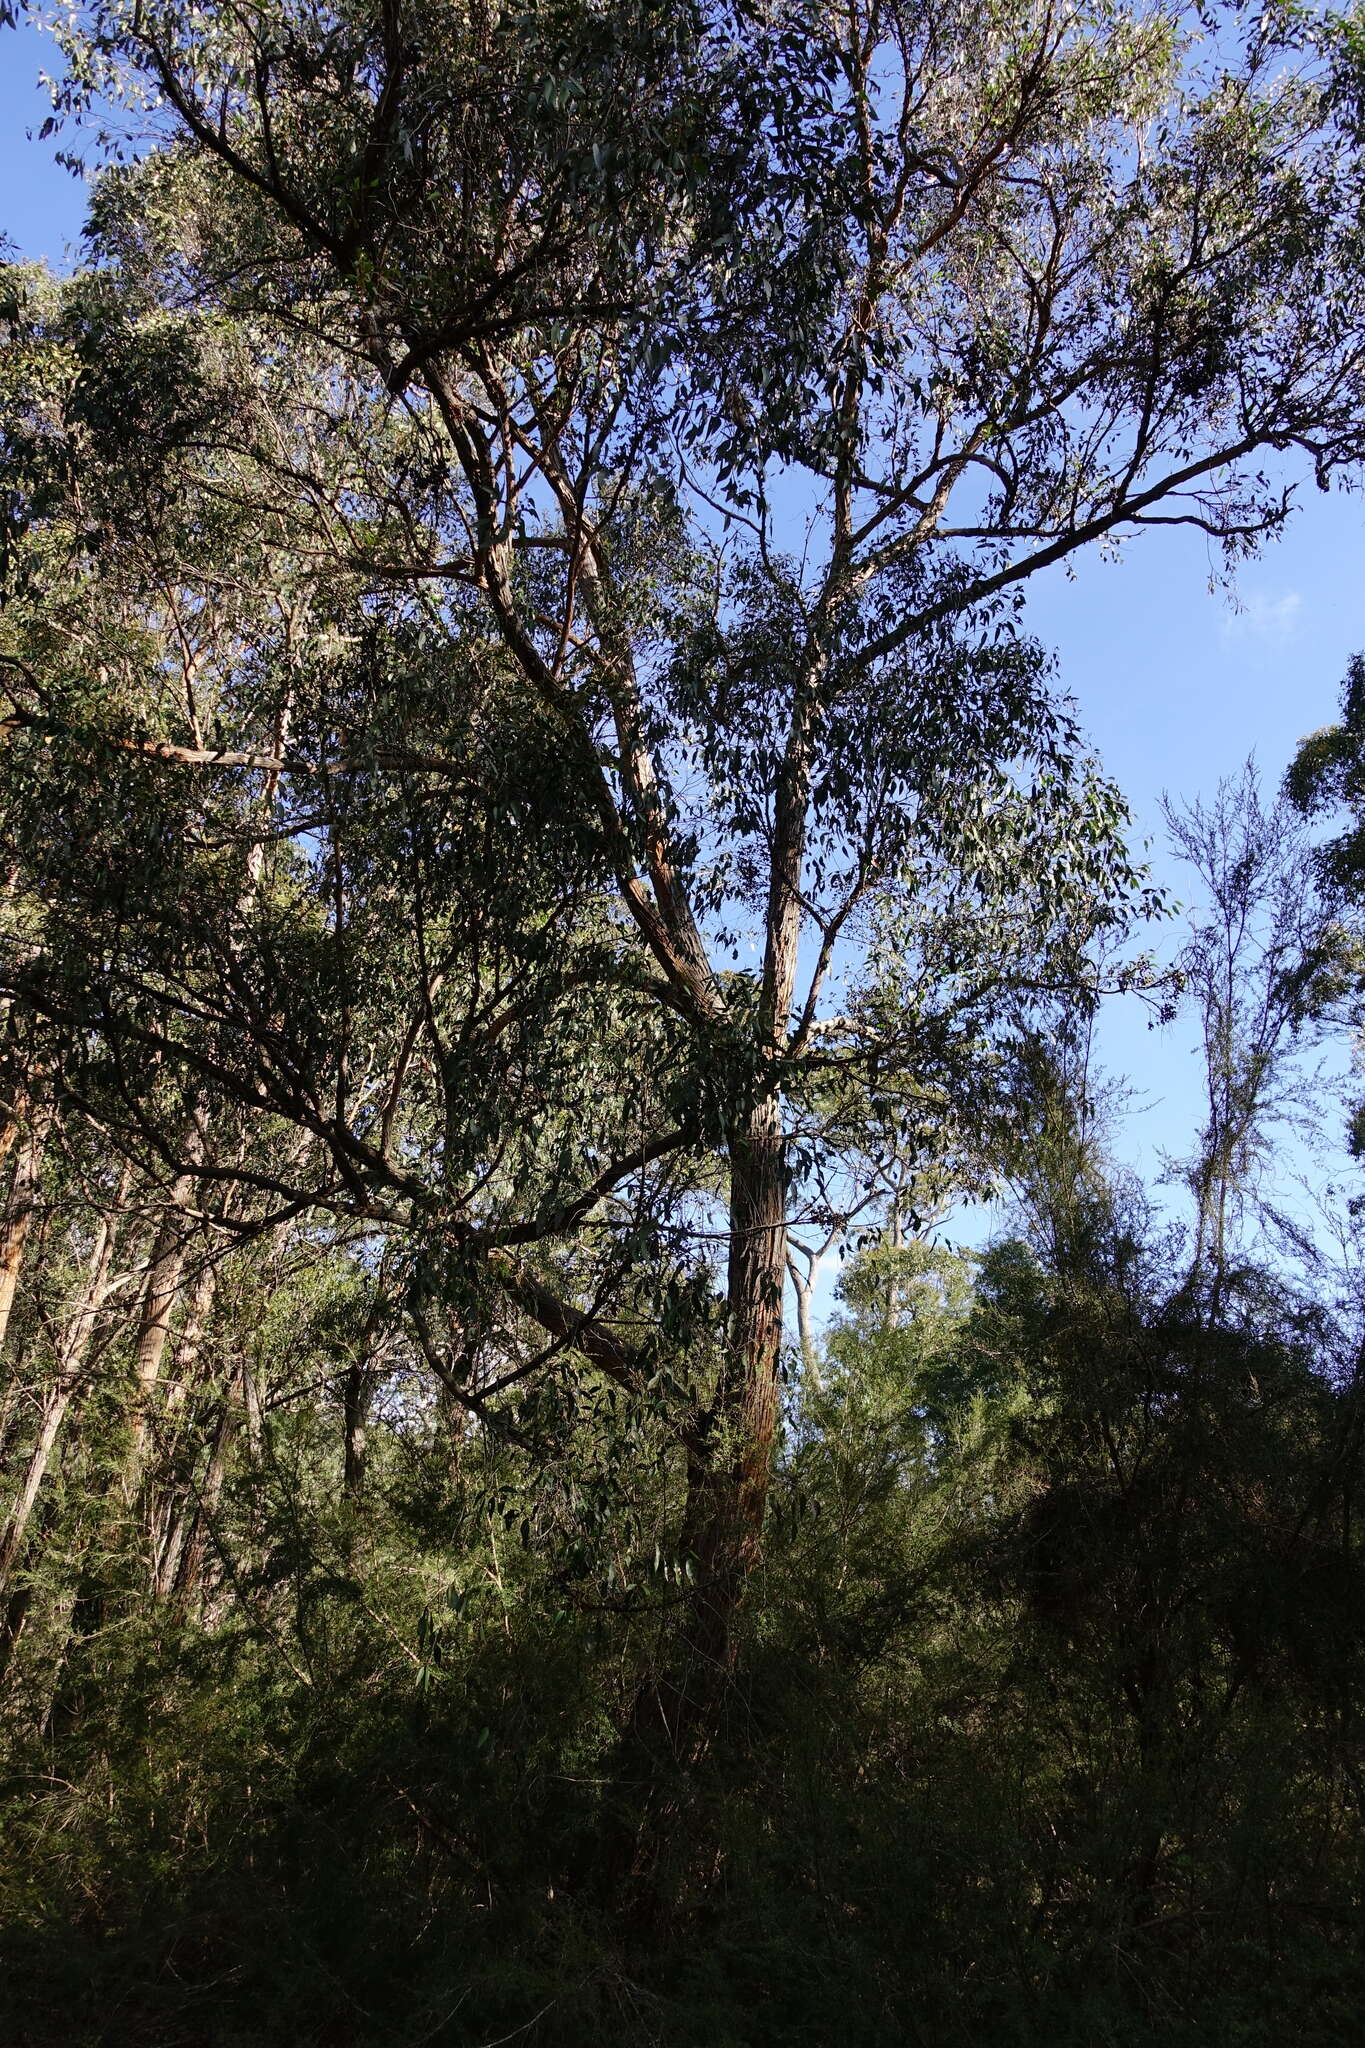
{"x":1176,"y":687}
{"x":41,"y":205}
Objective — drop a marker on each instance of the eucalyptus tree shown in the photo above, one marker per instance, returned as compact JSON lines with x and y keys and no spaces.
{"x":1271,"y":966}
{"x":665,"y":414}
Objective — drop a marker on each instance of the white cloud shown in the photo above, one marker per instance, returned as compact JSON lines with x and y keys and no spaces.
{"x":1271,"y":621}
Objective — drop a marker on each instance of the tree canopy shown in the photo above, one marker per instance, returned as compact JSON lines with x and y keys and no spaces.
{"x":531,"y":801}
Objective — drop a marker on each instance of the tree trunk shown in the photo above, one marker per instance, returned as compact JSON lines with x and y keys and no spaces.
{"x":183,"y":1564}
{"x":76,"y":1335}
{"x":357,"y":1405}
{"x":803,"y":1287}
{"x":730,"y":1457}
{"x":175,"y":1508}
{"x":357,"y":1394}
{"x":191,"y":1344}
{"x":730,"y":1454}
{"x":758,"y":1264}
{"x":164,"y":1271}
{"x":729,"y":1465}
{"x":19,"y":1212}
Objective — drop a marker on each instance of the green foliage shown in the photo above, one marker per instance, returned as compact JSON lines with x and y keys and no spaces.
{"x":1047,"y":1720}
{"x":512,"y":554}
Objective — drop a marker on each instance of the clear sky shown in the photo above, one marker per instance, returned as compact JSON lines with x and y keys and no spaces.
{"x":1176,"y":687}
{"x":41,"y":205}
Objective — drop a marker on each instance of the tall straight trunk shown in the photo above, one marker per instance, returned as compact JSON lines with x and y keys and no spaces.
{"x":174,"y":1508}
{"x":12,"y":1113}
{"x":20,"y":1210}
{"x":735,"y":1493}
{"x":164,"y":1272}
{"x":190,"y":1346}
{"x":357,"y":1394}
{"x":730,"y":1454}
{"x":160,"y":1291}
{"x":356,"y":1398}
{"x":181,"y":1566}
{"x":253,"y":1411}
{"x":730,"y":1457}
{"x":77,"y":1331}
{"x":757,"y":1270}
{"x":729,"y":1466}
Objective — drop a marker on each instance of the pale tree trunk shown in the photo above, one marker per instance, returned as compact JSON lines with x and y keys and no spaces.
{"x":189,"y":1349}
{"x":160,"y":1292}
{"x":77,"y":1331}
{"x":893,"y":1286}
{"x":12,"y":1113}
{"x":803,"y":1287}
{"x":15,"y":1233}
{"x":175,"y":1508}
{"x":20,"y":1210}
{"x":357,"y":1394}
{"x":356,"y":1398}
{"x":182,"y":1564}
{"x":164,"y":1271}
{"x":253,"y":1411}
